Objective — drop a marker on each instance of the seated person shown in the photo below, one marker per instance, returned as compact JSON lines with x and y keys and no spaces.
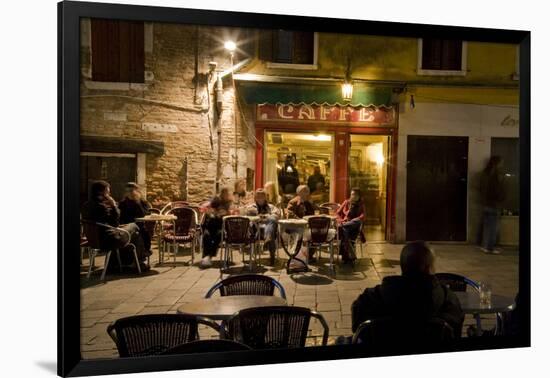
{"x":241,"y":197}
{"x":219,"y":207}
{"x":299,"y":207}
{"x":272,"y":194}
{"x":416,"y":295}
{"x":350,"y":216}
{"x":102,"y":208}
{"x":270,"y":215}
{"x":133,"y":206}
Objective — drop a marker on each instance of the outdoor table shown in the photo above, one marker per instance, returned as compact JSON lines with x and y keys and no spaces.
{"x":159,"y":218}
{"x":470,"y":303}
{"x":222,"y":308}
{"x":298,"y":226}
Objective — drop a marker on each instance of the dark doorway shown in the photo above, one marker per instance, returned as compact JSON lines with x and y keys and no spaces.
{"x":116,"y":170}
{"x":437,"y":181}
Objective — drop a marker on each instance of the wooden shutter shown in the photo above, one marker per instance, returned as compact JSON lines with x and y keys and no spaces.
{"x":303,"y":48}
{"x":118,"y":51}
{"x":265,"y":45}
{"x":441,"y":54}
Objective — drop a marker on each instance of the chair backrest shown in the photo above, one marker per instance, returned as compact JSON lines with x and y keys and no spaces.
{"x":172,"y":205}
{"x":247,"y":284}
{"x":456,"y":282}
{"x":154,"y":211}
{"x":331,"y":205}
{"x":273,"y":327}
{"x":236,"y":229}
{"x":145,"y":335}
{"x":186,"y":221}
{"x":92,"y":233}
{"x":205,"y":346}
{"x":398,"y":332}
{"x":319,"y":227}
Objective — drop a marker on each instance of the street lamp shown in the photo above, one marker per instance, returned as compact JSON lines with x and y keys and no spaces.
{"x":347,"y":90}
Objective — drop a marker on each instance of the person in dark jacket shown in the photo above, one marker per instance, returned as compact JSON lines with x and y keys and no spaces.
{"x":492,"y":193}
{"x":133,"y":206}
{"x":102,"y":208}
{"x":416,"y":295}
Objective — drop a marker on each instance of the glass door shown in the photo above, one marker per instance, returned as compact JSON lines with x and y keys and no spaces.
{"x":368,"y":171}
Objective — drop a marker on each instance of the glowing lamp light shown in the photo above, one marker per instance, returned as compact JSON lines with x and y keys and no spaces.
{"x":380,"y":159}
{"x":230,"y":46}
{"x":347,"y":91}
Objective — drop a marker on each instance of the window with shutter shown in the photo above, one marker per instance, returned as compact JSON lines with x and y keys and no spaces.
{"x":118,"y":52}
{"x":286,"y":47}
{"x":441,"y":54}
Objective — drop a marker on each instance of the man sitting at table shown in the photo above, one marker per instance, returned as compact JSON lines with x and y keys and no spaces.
{"x":219,"y":207}
{"x":299,"y":207}
{"x":270,"y":215}
{"x":416,"y":295}
{"x":350,"y":219}
{"x":133,"y":206}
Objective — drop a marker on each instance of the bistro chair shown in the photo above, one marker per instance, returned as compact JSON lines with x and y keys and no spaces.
{"x":456,"y":282}
{"x":319,"y":227}
{"x":153,"y":334}
{"x":172,"y":205}
{"x":247,"y":284}
{"x":388,"y":333}
{"x":184,"y":233}
{"x":92,"y":231}
{"x":207,"y":346}
{"x":273,"y":327}
{"x":236,"y":234}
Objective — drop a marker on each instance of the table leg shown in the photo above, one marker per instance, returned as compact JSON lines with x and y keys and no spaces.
{"x":293,"y":256}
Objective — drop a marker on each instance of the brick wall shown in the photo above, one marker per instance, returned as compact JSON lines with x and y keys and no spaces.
{"x":178,"y":121}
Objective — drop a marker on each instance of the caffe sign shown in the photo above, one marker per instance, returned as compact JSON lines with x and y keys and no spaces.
{"x":339,"y":114}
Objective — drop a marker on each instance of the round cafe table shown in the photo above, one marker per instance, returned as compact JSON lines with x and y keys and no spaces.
{"x":297,"y":226}
{"x":222,"y":308}
{"x":470,"y":303}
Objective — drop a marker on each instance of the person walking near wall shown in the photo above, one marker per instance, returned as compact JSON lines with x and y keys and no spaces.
{"x":492,"y":195}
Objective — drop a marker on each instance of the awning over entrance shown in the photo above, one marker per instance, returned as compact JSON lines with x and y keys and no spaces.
{"x":269,"y":93}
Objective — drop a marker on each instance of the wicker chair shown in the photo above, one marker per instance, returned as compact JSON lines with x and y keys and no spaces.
{"x":247,"y":284}
{"x":390,"y":333}
{"x":319,"y":227}
{"x":236,"y":233}
{"x":207,"y":346}
{"x":92,"y":231}
{"x":273,"y":327}
{"x":456,"y":282}
{"x":172,"y":205}
{"x":147,"y":335}
{"x":185,"y":232}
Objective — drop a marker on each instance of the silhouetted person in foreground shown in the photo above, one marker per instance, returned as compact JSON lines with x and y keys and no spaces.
{"x":416,"y":295}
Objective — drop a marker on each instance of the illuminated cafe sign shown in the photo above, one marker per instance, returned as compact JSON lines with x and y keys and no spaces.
{"x":344,"y":114}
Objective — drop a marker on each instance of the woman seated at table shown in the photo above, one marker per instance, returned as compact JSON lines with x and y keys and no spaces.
{"x":102,"y":208}
{"x":269,"y":216}
{"x":133,"y":206}
{"x":299,"y":207}
{"x":272,"y":194}
{"x":350,"y":216}
{"x":241,"y":197}
{"x":219,"y":207}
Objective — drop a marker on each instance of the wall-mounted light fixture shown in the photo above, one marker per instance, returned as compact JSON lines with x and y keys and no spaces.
{"x":347,"y":85}
{"x":230,"y":46}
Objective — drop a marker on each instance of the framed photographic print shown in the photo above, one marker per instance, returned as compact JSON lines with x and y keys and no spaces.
{"x":258,"y":189}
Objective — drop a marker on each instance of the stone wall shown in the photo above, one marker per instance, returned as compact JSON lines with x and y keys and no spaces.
{"x":171,"y":108}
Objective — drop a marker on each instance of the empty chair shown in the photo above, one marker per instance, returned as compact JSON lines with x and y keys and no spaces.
{"x":146,"y":335}
{"x":92,"y":233}
{"x":321,"y":236}
{"x":273,"y":327}
{"x":184,"y":233}
{"x":236,"y":233}
{"x":247,"y":284}
{"x":397,"y":333}
{"x":206,"y":346}
{"x":172,"y":205}
{"x":456,"y":282}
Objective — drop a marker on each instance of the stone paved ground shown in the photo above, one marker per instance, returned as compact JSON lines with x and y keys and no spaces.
{"x":166,"y":287}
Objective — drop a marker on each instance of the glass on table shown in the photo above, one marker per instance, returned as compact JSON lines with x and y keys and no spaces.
{"x":485,"y":294}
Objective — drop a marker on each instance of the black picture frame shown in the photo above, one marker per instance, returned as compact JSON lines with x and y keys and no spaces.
{"x":70,"y":362}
